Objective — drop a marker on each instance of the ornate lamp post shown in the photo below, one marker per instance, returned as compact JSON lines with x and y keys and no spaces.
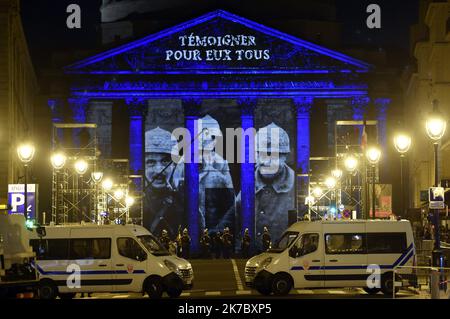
{"x":373,"y":155}
{"x":96,"y":178}
{"x":402,"y":143}
{"x":58,"y":161}
{"x":26,"y":154}
{"x":435,"y":127}
{"x":81,"y":167}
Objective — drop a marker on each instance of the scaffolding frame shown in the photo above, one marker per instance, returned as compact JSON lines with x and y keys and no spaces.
{"x":354,"y":187}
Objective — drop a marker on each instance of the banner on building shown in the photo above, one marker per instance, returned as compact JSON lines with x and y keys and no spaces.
{"x":383,"y":201}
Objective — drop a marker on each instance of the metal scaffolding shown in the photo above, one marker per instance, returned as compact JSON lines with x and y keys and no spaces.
{"x":354,"y":186}
{"x":78,"y":197}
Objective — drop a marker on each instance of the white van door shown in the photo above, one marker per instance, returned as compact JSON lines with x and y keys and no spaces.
{"x":130,"y":263}
{"x":306,"y":260}
{"x":345,"y":255}
{"x":93,"y":257}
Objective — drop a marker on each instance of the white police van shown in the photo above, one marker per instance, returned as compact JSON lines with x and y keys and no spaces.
{"x":107,"y":258}
{"x":324,"y":254}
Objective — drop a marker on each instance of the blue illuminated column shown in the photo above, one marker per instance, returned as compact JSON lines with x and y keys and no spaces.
{"x":382,"y":105}
{"x":359,"y":106}
{"x":191,"y":114}
{"x":57,"y":107}
{"x":79,"y":108}
{"x":136,"y":108}
{"x":247,"y":106}
{"x":302,"y":107}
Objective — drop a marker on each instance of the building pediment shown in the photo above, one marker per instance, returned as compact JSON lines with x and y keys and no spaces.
{"x":219,"y":43}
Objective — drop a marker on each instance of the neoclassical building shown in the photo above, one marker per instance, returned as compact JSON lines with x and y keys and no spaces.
{"x":242,"y":73}
{"x":18,"y":91}
{"x":430,"y":81}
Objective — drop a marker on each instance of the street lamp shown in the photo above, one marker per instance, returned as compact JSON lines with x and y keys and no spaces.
{"x":81,"y":166}
{"x":58,"y":160}
{"x":26,"y":153}
{"x":402,"y":143}
{"x":435,"y":126}
{"x":330,"y":182}
{"x":129,"y":201}
{"x":97,"y":177}
{"x":317,"y":192}
{"x":373,"y":156}
{"x":107,"y":184}
{"x":336,"y":173}
{"x":350,"y":163}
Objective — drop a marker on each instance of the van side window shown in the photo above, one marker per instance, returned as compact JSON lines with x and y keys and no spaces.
{"x":90,"y":248}
{"x":51,"y":249}
{"x":345,"y":244}
{"x":386,"y":243}
{"x":128,"y":247}
{"x":307,"y":244}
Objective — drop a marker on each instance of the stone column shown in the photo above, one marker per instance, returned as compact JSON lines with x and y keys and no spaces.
{"x":381,"y":106}
{"x":56,"y":106}
{"x":302,"y":107}
{"x":79,"y":108}
{"x":136,"y":108}
{"x":360,"y":106}
{"x":247,"y":213}
{"x":191,"y":114}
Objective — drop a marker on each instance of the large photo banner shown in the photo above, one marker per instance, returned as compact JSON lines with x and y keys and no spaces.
{"x":219,"y":169}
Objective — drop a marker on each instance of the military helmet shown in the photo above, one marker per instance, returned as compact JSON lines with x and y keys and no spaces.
{"x":160,"y":141}
{"x":272,"y":138}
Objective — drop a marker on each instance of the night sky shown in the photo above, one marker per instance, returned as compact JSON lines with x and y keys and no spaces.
{"x":44,"y":23}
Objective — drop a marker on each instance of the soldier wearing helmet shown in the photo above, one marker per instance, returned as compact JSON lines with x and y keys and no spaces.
{"x":217,"y":197}
{"x":274,"y":181}
{"x":163,"y":199}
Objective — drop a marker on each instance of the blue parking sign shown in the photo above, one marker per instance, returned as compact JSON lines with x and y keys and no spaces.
{"x":16,"y":199}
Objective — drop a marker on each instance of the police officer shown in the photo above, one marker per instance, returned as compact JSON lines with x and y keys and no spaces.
{"x":227,"y":243}
{"x":245,"y":246}
{"x":185,"y":244}
{"x":164,"y":239}
{"x":205,"y":244}
{"x":266,"y":239}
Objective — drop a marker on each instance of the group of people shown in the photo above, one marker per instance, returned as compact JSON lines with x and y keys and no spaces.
{"x":213,"y":245}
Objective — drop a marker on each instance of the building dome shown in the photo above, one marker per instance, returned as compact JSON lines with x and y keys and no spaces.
{"x":115,"y":10}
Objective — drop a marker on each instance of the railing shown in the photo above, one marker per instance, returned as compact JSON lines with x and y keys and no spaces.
{"x":427,"y":282}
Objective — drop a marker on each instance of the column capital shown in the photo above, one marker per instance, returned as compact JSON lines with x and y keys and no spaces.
{"x":303,"y":104}
{"x":136,"y":106}
{"x":247,"y":105}
{"x":382,"y":103}
{"x":192,"y":106}
{"x":359,"y":105}
{"x":79,"y":106}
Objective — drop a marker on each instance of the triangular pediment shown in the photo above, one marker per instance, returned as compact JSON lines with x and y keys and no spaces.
{"x":219,"y":43}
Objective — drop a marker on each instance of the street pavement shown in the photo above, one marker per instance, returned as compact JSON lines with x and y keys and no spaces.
{"x":224,"y":278}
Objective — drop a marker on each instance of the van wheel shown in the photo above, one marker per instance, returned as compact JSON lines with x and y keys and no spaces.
{"x":174,"y":292}
{"x":47,"y":290}
{"x":371,"y":291}
{"x":387,"y":284}
{"x":281,"y":284}
{"x":69,"y":295}
{"x":153,"y":287}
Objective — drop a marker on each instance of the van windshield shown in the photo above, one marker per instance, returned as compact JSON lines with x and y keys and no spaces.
{"x":153,"y":245}
{"x":284,"y":242}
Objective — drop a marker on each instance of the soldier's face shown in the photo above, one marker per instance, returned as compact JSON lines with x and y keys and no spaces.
{"x":270,"y":164}
{"x":154,"y":164}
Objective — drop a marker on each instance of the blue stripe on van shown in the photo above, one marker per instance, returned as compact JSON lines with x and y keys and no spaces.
{"x":88,"y":272}
{"x":403,"y":259}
